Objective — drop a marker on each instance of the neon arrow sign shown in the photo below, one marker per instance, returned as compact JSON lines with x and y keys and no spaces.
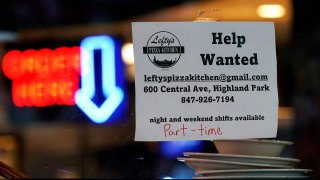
{"x":114,"y":95}
{"x":51,"y":77}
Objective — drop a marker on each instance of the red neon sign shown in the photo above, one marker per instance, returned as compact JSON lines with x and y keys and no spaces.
{"x":43,"y":77}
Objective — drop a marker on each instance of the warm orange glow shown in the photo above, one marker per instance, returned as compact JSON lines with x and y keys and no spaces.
{"x":43,"y":92}
{"x":44,"y":77}
{"x":271,"y":11}
{"x":10,"y":64}
{"x":41,"y":63}
{"x":73,"y":62}
{"x":127,"y":53}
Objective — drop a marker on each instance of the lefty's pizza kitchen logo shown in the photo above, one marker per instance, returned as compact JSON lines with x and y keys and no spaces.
{"x":163,"y":49}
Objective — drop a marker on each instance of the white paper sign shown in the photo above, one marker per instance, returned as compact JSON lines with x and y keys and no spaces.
{"x":205,"y":80}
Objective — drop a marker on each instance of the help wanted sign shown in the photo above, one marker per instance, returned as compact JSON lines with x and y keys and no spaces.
{"x":205,"y":80}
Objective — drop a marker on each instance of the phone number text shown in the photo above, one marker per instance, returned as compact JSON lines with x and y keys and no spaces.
{"x":207,"y":99}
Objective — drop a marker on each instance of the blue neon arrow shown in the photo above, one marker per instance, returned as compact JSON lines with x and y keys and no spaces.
{"x":114,"y":95}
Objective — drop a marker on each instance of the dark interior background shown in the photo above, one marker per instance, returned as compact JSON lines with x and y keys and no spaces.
{"x":109,"y":151}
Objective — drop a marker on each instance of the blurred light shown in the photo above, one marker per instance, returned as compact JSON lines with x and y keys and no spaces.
{"x":45,"y":62}
{"x":286,"y":117}
{"x":44,"y":77}
{"x":7,"y":36}
{"x":114,"y":95}
{"x":8,"y":143}
{"x":127,"y":53}
{"x":172,"y":149}
{"x":167,"y":178}
{"x":182,"y":171}
{"x":51,"y":77}
{"x":271,"y":11}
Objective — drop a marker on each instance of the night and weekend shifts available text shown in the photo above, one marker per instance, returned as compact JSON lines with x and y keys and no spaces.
{"x":205,"y":80}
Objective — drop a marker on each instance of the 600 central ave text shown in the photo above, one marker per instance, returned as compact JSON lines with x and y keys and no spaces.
{"x":187,"y":88}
